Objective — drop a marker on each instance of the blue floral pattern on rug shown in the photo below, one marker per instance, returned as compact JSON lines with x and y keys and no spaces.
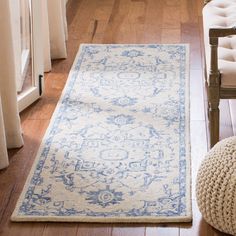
{"x":104,"y":197}
{"x":120,"y":120}
{"x":124,"y":101}
{"x":117,"y":146}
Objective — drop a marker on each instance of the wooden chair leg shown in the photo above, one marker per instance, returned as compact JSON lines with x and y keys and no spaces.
{"x":214,"y":123}
{"x":214,"y":91}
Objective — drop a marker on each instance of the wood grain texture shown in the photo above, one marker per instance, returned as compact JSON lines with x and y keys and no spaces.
{"x":114,"y":21}
{"x":163,"y":230}
{"x":60,"y":229}
{"x":196,"y":95}
{"x":127,"y":230}
{"x":190,"y":33}
{"x":94,"y":230}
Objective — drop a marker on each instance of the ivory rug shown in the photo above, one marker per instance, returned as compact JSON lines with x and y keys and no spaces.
{"x":117,"y":148}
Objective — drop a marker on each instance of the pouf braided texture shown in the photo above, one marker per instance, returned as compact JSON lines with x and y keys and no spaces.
{"x":216,"y":186}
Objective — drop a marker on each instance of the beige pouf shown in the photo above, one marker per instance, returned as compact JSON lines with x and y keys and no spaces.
{"x":216,"y":186}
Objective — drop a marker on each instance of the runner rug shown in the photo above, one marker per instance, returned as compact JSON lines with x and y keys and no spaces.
{"x":117,"y":147}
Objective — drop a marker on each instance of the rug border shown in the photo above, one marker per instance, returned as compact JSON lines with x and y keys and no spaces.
{"x":151,"y":219}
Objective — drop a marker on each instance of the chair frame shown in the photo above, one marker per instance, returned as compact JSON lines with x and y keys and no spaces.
{"x":213,"y":82}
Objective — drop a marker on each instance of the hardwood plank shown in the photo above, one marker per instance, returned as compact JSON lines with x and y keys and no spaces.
{"x":201,"y":40}
{"x":100,"y":31}
{"x":173,"y":3}
{"x":98,"y":24}
{"x":24,"y":229}
{"x":151,"y":34}
{"x":199,"y":7}
{"x":60,"y":229}
{"x":44,"y":107}
{"x":137,"y":12}
{"x":190,"y":34}
{"x":103,"y":10}
{"x":116,"y":27}
{"x":72,"y":10}
{"x":196,"y":95}
{"x":155,"y":13}
{"x":189,"y":12}
{"x":163,"y":230}
{"x":171,"y":15}
{"x":170,"y":35}
{"x":84,"y":14}
{"x":131,"y":229}
{"x":198,"y":149}
{"x":94,"y":230}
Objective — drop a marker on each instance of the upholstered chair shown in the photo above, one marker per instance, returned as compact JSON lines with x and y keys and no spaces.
{"x":219,"y":21}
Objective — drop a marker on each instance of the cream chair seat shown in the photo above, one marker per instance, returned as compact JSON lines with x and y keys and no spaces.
{"x":219,"y":21}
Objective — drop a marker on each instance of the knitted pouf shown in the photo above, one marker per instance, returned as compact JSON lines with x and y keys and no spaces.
{"x":216,"y":186}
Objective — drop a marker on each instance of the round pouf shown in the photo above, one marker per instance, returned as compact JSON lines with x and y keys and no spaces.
{"x":216,"y":186}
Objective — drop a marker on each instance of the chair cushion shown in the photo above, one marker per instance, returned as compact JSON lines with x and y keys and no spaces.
{"x":222,"y":14}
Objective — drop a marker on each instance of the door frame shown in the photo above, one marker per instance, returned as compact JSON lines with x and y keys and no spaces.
{"x":29,"y":96}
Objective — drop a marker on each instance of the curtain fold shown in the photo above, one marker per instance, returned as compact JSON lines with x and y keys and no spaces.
{"x":15,"y":24}
{"x":55,"y":31}
{"x":54,"y":40}
{"x":10,"y":131}
{"x":3,"y":144}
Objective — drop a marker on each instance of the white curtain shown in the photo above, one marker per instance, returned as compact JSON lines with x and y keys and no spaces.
{"x":54,"y":40}
{"x":55,"y":31}
{"x":16,"y":32}
{"x":10,"y":132}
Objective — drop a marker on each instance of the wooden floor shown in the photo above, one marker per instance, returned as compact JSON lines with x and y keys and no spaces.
{"x":115,"y":21}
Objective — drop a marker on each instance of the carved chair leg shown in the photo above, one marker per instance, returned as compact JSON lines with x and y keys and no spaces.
{"x":214,"y":123}
{"x":214,"y":91}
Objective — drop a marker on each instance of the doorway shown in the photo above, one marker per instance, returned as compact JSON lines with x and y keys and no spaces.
{"x":28,"y":49}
